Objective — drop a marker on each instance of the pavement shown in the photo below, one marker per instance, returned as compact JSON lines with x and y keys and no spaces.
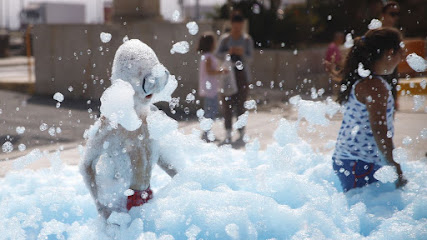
{"x":65,"y":125}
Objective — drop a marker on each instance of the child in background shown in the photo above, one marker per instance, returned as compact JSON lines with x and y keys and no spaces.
{"x":209,"y":82}
{"x":365,"y":141}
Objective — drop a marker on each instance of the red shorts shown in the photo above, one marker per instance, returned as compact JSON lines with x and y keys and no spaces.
{"x":139,"y":198}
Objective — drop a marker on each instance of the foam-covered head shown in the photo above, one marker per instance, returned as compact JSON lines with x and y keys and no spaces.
{"x":135,"y":62}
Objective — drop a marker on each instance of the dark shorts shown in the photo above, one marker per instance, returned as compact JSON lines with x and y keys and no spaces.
{"x":139,"y":198}
{"x":355,"y":174}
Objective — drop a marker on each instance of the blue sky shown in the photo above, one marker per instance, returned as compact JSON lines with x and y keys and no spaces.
{"x":9,"y":9}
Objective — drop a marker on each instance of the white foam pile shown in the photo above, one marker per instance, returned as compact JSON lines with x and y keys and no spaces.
{"x":287,"y":191}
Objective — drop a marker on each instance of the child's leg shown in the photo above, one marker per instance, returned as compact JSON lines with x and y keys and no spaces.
{"x":211,"y":107}
{"x":241,"y":96}
{"x":227,"y":111}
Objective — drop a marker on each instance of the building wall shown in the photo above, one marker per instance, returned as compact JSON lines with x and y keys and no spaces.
{"x":131,"y":10}
{"x":62,"y":59}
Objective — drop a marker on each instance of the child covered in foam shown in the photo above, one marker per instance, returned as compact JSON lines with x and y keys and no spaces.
{"x":120,"y":155}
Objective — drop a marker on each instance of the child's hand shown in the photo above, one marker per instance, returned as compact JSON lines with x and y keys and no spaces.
{"x":401,"y":181}
{"x":236,"y":51}
{"x":224,"y":71}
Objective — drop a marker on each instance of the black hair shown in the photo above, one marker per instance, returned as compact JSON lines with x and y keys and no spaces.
{"x":366,"y":50}
{"x":206,"y":42}
{"x":237,"y":18}
{"x":389,"y":5}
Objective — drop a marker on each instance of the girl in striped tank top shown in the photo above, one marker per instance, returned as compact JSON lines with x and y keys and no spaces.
{"x":364,"y":141}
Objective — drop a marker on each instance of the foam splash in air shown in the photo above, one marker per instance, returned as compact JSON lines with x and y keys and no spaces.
{"x":363,"y":72}
{"x":416,"y":62}
{"x":105,"y":37}
{"x":374,"y":24}
{"x":180,"y":47}
{"x":58,"y":97}
{"x":192,"y":27}
{"x":349,"y":42}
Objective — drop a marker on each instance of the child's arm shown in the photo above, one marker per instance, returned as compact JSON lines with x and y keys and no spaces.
{"x":87,"y":167}
{"x":212,"y":71}
{"x":374,"y":95}
{"x":168,"y":168}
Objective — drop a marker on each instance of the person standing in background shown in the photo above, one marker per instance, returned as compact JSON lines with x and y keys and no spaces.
{"x":390,"y":14}
{"x":239,"y":47}
{"x":209,"y":73}
{"x":333,"y":60}
{"x":333,"y":54}
{"x":365,"y":139}
{"x":389,"y":17}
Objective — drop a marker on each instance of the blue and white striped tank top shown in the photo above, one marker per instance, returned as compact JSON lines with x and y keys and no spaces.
{"x":355,"y":139}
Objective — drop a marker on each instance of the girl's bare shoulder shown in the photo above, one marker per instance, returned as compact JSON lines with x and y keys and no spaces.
{"x":371,"y":88}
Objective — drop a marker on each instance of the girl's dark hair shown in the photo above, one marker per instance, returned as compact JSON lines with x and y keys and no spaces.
{"x":366,"y":50}
{"x":206,"y":42}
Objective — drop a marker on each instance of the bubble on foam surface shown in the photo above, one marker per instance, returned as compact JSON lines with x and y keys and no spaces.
{"x":117,"y":105}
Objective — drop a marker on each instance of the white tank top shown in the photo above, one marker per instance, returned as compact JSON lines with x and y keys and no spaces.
{"x":355,"y":139}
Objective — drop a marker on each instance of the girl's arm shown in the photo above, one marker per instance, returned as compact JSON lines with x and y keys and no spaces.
{"x":210,"y":70}
{"x":374,"y":95}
